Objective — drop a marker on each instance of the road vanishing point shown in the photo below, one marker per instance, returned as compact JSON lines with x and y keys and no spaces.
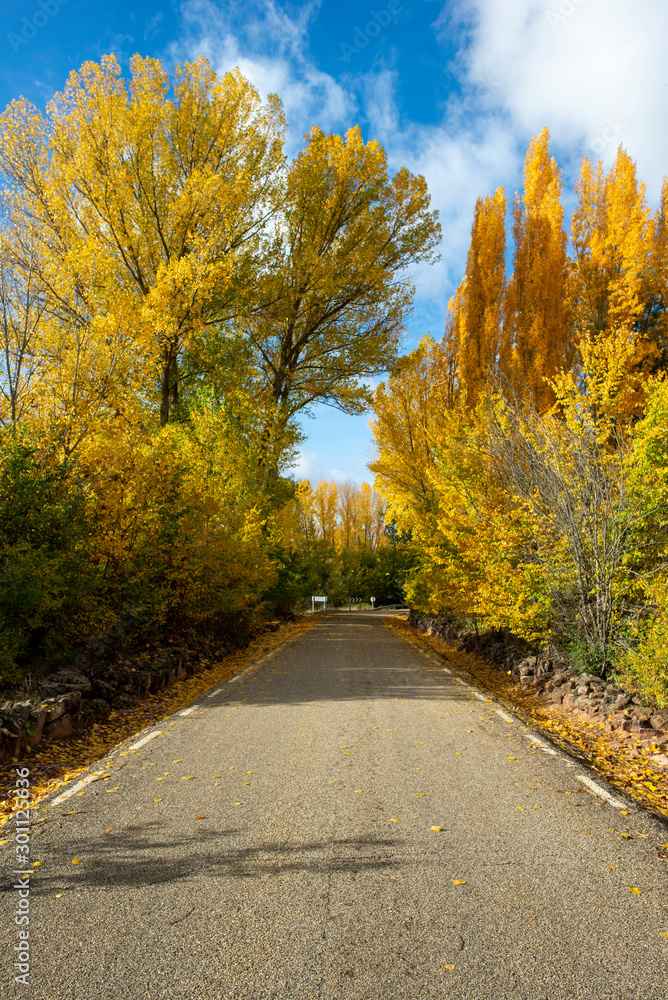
{"x":346,"y":820}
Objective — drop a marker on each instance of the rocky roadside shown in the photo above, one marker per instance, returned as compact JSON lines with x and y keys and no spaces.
{"x":556,"y":685}
{"x":71,"y":702}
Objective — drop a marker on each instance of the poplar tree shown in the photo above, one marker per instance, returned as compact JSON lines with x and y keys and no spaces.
{"x":474,"y":336}
{"x":618,"y":250}
{"x":537,"y":322}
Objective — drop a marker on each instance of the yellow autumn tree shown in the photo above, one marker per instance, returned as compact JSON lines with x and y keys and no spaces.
{"x":146,"y":199}
{"x":475,"y":313}
{"x":538,"y":339}
{"x":614,"y":241}
{"x":325,"y":510}
{"x":330,"y":307}
{"x":406,"y":411}
{"x":360,"y":516}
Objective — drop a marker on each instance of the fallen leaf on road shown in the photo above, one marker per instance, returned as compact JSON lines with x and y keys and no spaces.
{"x":394,"y":821}
{"x":611,"y":866}
{"x":59,"y":894}
{"x":200,"y":816}
{"x":35,"y":864}
{"x":358,"y":791}
{"x":448,"y":966}
{"x":638,"y":892}
{"x":458,"y":881}
{"x":76,"y":861}
{"x":662,"y":934}
{"x":521,"y":808}
{"x":436,"y":829}
{"x":187,"y":777}
{"x":511,"y":758}
{"x":157,"y":800}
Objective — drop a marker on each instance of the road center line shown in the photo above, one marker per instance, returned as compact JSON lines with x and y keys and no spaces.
{"x":214,"y":693}
{"x":189,"y":710}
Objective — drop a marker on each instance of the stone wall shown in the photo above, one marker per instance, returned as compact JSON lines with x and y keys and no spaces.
{"x":71,"y":701}
{"x":554,"y":680}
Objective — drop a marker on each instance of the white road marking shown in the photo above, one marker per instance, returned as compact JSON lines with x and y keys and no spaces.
{"x":189,"y":710}
{"x":480,"y":696}
{"x":597,"y":790}
{"x":76,"y":788}
{"x":233,"y":679}
{"x":146,"y":739}
{"x":503,"y":715}
{"x":543,"y":746}
{"x":214,"y":693}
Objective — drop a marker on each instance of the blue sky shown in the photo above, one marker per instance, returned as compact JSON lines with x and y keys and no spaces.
{"x":453,"y":90}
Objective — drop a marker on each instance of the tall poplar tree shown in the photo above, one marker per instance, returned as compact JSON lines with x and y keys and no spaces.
{"x":618,"y":288}
{"x":474,"y":335}
{"x":537,"y":323}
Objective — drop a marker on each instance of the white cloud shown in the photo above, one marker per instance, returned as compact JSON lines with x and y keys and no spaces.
{"x":307,"y":465}
{"x":271,"y":50}
{"x":593,"y":71}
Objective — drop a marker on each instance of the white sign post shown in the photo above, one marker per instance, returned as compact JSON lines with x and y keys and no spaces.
{"x":372,"y":604}
{"x":324,"y":603}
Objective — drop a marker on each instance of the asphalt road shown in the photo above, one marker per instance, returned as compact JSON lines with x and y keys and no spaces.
{"x":276,"y":843}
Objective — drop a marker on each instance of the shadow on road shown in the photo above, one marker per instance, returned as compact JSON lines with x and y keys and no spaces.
{"x":140,"y":856}
{"x":343,"y":657}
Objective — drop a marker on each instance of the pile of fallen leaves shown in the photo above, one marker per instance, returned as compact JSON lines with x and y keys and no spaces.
{"x":53,"y":764}
{"x":627,"y":767}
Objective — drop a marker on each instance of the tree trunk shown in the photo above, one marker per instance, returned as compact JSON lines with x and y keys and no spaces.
{"x":169,"y":389}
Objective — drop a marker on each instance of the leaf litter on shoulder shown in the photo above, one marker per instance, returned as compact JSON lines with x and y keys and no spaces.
{"x":634,"y":775}
{"x":55,"y":764}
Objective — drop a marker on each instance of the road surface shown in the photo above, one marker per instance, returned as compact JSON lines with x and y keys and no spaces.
{"x":276,"y":842}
